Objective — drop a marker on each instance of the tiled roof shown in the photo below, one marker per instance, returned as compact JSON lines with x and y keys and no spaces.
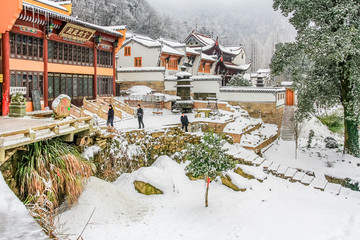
{"x":70,"y":19}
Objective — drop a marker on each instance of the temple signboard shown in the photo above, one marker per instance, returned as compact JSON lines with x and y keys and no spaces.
{"x":75,"y":32}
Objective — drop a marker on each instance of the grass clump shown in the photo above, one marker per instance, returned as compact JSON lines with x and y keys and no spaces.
{"x":334,"y":122}
{"x":54,"y":168}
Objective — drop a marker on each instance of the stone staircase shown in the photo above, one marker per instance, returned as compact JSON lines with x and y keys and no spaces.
{"x":100,"y":107}
{"x":288,"y":124}
{"x":251,"y":162}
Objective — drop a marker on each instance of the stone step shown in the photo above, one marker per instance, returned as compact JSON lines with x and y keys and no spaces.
{"x":290,"y":173}
{"x":333,"y":188}
{"x":298,"y":176}
{"x":273,"y":168}
{"x":265,"y":165}
{"x":281,"y":171}
{"x":319,"y":183}
{"x":258,"y":161}
{"x":307,"y":179}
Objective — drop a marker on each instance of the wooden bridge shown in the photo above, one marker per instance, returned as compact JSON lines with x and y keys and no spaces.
{"x":19,"y":132}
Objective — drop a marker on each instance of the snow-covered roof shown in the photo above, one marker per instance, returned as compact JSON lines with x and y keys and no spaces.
{"x":204,"y":40}
{"x":171,"y":43}
{"x":192,"y":51}
{"x":183,"y":74}
{"x":231,"y":50}
{"x":252,"y":89}
{"x":116,"y":28}
{"x":170,"y":50}
{"x":167,"y":97}
{"x":40,"y":10}
{"x":143,"y":40}
{"x":141,"y":69}
{"x":170,"y":78}
{"x":54,"y":4}
{"x":237,"y":67}
{"x":207,"y":78}
{"x":208,"y":57}
{"x":140,"y":90}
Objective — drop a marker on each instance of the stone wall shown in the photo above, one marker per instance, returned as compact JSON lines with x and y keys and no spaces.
{"x":204,"y":104}
{"x":146,"y":146}
{"x":145,"y":104}
{"x":268,"y":112}
{"x":158,"y":86}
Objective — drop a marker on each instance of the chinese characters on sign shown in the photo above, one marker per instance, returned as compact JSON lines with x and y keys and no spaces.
{"x":21,"y":90}
{"x":78,"y":33}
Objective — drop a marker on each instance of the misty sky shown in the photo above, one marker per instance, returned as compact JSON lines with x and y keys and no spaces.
{"x":183,"y":6}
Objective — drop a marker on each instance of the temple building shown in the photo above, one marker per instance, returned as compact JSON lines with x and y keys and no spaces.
{"x":50,"y":51}
{"x":229,"y":60}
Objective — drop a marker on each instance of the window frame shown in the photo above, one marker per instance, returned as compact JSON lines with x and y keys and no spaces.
{"x":17,"y":47}
{"x":127,"y":51}
{"x":18,"y":77}
{"x":66,"y":53}
{"x":137,"y":61}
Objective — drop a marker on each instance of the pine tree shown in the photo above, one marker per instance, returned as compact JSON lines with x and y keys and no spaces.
{"x":328,"y":37}
{"x":239,"y":80}
{"x":208,"y":159}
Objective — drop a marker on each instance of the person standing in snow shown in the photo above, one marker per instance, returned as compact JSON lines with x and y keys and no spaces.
{"x":110,"y":119}
{"x":184,"y":122}
{"x":140,"y":114}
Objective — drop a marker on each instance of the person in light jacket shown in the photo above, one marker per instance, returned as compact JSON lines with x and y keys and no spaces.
{"x":140,"y":115}
{"x":184,"y":122}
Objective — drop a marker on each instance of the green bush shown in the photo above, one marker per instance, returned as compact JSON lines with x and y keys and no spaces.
{"x":334,"y":122}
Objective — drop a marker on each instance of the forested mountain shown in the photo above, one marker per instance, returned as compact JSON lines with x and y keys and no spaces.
{"x":258,"y":28}
{"x":137,"y":15}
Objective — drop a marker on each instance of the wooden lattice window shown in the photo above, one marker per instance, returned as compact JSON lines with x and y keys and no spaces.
{"x":138,"y":62}
{"x":127,"y":51}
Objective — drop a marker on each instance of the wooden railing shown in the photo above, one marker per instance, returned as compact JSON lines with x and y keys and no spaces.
{"x":12,"y":140}
{"x":77,"y":112}
{"x":120,"y":105}
{"x":91,"y":106}
{"x":105,"y":106}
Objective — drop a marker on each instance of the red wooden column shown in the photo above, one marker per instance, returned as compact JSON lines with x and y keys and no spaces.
{"x":95,"y":72}
{"x":6,"y":73}
{"x":114,"y":74}
{"x":45,"y":54}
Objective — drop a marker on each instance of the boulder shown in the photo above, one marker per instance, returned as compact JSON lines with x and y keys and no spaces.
{"x":226,"y":180}
{"x":146,"y":188}
{"x":61,"y":106}
{"x":331,"y":143}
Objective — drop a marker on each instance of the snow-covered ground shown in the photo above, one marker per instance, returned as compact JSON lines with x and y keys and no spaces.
{"x":274,"y":209}
{"x":317,"y":158}
{"x":15,"y":220}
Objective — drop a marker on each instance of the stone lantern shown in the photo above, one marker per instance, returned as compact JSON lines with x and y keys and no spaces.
{"x":183,"y":90}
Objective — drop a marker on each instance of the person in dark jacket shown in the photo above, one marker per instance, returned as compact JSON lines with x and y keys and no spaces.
{"x":110,"y":120}
{"x":140,"y":114}
{"x":184,"y":122}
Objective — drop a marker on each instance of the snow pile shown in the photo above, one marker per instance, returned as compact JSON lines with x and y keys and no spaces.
{"x":140,"y":90}
{"x":320,"y":130}
{"x":239,"y":181}
{"x":241,"y":125}
{"x":89,"y":152}
{"x":110,"y":204}
{"x":15,"y":220}
{"x":253,"y":171}
{"x":124,"y":213}
{"x":260,"y":135}
{"x":152,"y":175}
